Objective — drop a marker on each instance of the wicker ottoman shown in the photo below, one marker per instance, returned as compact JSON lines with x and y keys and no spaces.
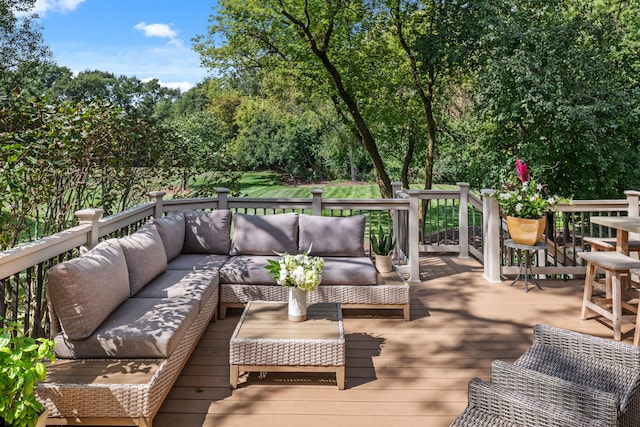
{"x":266,"y":341}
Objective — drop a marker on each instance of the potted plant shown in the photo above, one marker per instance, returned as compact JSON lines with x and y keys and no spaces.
{"x":524,"y":203}
{"x":21,"y":367}
{"x":383,"y":245}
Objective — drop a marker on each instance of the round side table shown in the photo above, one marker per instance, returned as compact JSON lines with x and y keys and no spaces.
{"x":525,"y":271}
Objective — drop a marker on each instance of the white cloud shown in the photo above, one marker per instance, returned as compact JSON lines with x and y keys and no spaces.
{"x":43,"y":6}
{"x":156,"y":30}
{"x":183,"y":86}
{"x":160,"y":30}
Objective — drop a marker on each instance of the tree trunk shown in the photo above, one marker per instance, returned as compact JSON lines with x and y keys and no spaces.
{"x":404,"y":176}
{"x":431,"y":130}
{"x":368,"y":142}
{"x":352,"y":165}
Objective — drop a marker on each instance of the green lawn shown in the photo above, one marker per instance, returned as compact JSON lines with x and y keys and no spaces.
{"x":268,"y":184}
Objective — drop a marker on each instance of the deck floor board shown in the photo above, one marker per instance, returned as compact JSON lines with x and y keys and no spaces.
{"x":397,"y":373}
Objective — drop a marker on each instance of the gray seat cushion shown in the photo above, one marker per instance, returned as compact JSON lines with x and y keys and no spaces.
{"x":197,"y":262}
{"x":172,"y":230}
{"x":264,"y":234}
{"x":85,"y":290}
{"x":348,"y":271}
{"x":332,"y":236}
{"x":249,"y":269}
{"x":199,"y":285}
{"x":145,"y":256}
{"x":207,"y":232}
{"x":138,"y":328}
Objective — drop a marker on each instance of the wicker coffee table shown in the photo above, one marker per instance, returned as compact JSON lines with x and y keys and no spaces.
{"x":266,"y":341}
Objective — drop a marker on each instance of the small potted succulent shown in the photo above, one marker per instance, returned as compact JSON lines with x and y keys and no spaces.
{"x":21,"y":367}
{"x":383,"y":245}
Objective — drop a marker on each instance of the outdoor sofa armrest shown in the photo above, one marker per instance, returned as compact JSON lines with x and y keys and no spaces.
{"x":590,"y":402}
{"x":494,"y":405}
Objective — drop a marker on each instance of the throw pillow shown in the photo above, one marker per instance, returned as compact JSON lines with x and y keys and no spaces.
{"x":84,"y":291}
{"x":332,"y":236}
{"x":207,"y":232}
{"x":264,"y":234}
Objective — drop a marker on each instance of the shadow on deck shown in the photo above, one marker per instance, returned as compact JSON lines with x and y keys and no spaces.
{"x":398,"y":373}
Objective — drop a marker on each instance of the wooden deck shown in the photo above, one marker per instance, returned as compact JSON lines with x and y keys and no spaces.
{"x":398,"y":373}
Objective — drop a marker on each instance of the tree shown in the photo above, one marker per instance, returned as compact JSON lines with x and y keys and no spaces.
{"x":60,"y":156}
{"x":307,"y":41}
{"x":21,"y":44}
{"x":380,"y":62}
{"x":440,"y":41}
{"x":559,"y":88}
{"x":129,"y":93}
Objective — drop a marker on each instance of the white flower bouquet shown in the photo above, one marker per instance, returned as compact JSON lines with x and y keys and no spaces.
{"x":300,"y":271}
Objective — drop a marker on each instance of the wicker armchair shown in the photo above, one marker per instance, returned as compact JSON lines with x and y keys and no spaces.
{"x":492,"y":405}
{"x":595,"y":380}
{"x":592,"y":362}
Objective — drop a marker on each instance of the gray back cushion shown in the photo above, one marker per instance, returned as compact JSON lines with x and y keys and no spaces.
{"x":172,"y":230}
{"x":84,"y":291}
{"x":145,"y":256}
{"x":332,"y":236}
{"x":264,"y":234}
{"x":207,"y":232}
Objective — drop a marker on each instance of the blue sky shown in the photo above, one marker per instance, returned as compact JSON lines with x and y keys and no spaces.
{"x":141,"y":38}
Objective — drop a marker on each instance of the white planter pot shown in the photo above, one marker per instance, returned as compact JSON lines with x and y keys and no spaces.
{"x":297,"y":305}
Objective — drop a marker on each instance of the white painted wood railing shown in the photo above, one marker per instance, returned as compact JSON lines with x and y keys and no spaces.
{"x":471,"y":226}
{"x":559,"y":258}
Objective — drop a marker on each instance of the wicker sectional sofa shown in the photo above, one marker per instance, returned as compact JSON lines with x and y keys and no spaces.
{"x":140,"y":303}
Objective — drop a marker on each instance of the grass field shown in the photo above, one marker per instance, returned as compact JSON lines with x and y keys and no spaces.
{"x":269,"y":184}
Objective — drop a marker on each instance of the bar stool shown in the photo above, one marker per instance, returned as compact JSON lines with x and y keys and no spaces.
{"x":608,"y":244}
{"x":615,"y":266}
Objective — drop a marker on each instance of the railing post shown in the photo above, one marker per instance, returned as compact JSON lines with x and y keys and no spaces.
{"x":90,"y":217}
{"x":316,"y":203}
{"x":395,"y":188}
{"x":156,"y":197}
{"x":491,"y":236}
{"x":633,"y":199}
{"x":414,"y":235}
{"x":463,"y":220}
{"x":223,"y":197}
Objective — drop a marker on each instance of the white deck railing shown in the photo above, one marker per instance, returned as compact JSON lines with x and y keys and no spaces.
{"x":569,"y":224}
{"x":23,"y":268}
{"x":456,"y":221}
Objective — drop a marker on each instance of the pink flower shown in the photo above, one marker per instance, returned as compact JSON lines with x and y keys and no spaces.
{"x":523,"y":171}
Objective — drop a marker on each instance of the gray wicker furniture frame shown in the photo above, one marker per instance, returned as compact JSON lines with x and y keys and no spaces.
{"x":491,"y":405}
{"x":596,"y":380}
{"x":588,"y":361}
{"x":265,"y":341}
{"x":390,"y":292}
{"x":84,"y":392}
